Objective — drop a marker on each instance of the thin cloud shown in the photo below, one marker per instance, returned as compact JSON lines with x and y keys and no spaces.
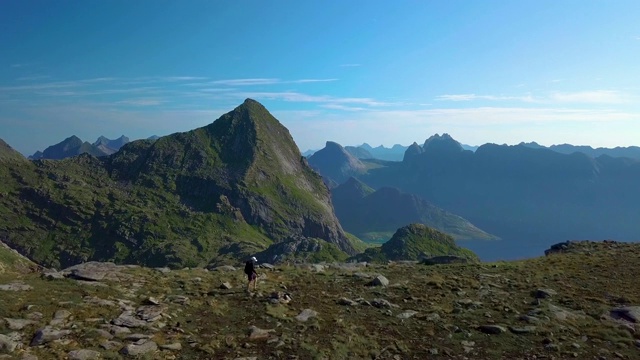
{"x":303,"y":81}
{"x":472,"y":97}
{"x":300,"y":97}
{"x":34,"y":77}
{"x":141,"y":102}
{"x":247,"y":82}
{"x":594,"y":97}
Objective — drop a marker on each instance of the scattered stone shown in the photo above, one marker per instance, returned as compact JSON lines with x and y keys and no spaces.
{"x":382,"y":303}
{"x":266,"y":266}
{"x":278,"y":297}
{"x":139,"y":349}
{"x":255,"y":333}
{"x":150,"y":313}
{"x":407,"y":314}
{"x":544,"y":293}
{"x":163,"y":270}
{"x":306,"y":314}
{"x":16,"y":286}
{"x":362,"y":275}
{"x":18,"y":324}
{"x":492,"y":329}
{"x":126,"y":319}
{"x":522,"y":330}
{"x":83,"y":354}
{"x":178,"y":299}
{"x":52,"y":275}
{"x":173,"y":346}
{"x":137,"y":337}
{"x":316,"y":268}
{"x":528,"y":318}
{"x":379,"y":281}
{"x":347,"y":302}
{"x":628,"y":313}
{"x":60,"y":317}
{"x":152,"y":301}
{"x":564,"y":314}
{"x":111,"y":345}
{"x":7,"y":344}
{"x":225,"y":286}
{"x":47,"y":334}
{"x":97,"y":301}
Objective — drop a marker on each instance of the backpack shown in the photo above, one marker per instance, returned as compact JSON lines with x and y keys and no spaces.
{"x":248,"y":267}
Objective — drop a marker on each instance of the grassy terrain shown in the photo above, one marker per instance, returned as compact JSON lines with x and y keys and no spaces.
{"x":451,"y":302}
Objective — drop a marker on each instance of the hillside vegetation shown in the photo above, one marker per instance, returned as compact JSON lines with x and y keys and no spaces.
{"x":206,"y":196}
{"x":578,"y":303}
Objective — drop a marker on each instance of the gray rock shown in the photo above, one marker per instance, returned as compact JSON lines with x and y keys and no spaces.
{"x":564,"y":314}
{"x":139,"y":349}
{"x":406,"y":314}
{"x":223,"y":268}
{"x":47,"y":334}
{"x":60,"y":317}
{"x":225,"y":286}
{"x":18,"y":324}
{"x":83,"y":354}
{"x":97,"y":301}
{"x":255,"y":333}
{"x":528,"y":318}
{"x":266,"y":266}
{"x":379,"y":281}
{"x":178,"y":299}
{"x":545,"y":293}
{"x":492,"y":329}
{"x":27,"y":356}
{"x":173,"y":346}
{"x":628,"y":313}
{"x":150,"y":313}
{"x":522,"y":330}
{"x":362,"y":275}
{"x":127,"y":319}
{"x":163,"y":270}
{"x":111,"y":345}
{"x":382,"y":303}
{"x":152,"y":301}
{"x":137,"y":337}
{"x":306,"y":314}
{"x":16,"y":286}
{"x":347,"y":302}
{"x":7,"y":344}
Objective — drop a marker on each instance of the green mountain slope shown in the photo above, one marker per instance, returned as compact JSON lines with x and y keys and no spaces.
{"x":375,"y":215}
{"x":414,"y":242}
{"x":219,"y":192}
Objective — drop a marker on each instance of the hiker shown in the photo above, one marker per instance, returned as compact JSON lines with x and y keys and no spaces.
{"x":252,"y":275}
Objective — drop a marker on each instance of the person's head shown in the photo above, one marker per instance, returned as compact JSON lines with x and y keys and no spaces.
{"x":253,"y":259}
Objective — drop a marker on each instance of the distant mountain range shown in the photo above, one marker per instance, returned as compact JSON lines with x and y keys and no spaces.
{"x":396,"y":153}
{"x":524,"y":195}
{"x":374,"y":215}
{"x":73,"y":146}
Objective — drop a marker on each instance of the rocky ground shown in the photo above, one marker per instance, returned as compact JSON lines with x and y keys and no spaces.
{"x":580,"y":301}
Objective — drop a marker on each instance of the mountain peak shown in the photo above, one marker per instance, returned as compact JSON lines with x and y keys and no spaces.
{"x":336,"y":163}
{"x":442,"y":142}
{"x":8,"y":153}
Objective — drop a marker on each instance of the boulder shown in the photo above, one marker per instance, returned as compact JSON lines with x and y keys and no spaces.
{"x":379,"y":281}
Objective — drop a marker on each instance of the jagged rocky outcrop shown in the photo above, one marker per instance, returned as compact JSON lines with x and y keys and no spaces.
{"x":7,"y":153}
{"x":68,"y":147}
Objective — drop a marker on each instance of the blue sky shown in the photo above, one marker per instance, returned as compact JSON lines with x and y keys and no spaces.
{"x":381,"y":72}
